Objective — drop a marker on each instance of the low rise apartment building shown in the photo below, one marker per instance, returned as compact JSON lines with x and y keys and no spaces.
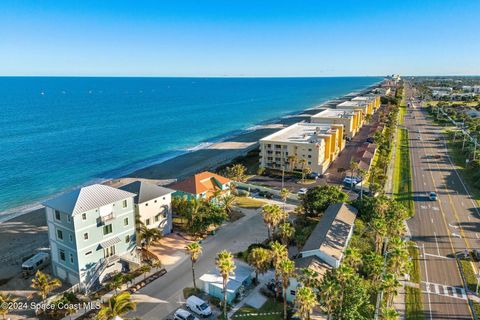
{"x":356,"y":105}
{"x":372,"y":99}
{"x":351,"y":119}
{"x":92,"y":233}
{"x":312,"y":144}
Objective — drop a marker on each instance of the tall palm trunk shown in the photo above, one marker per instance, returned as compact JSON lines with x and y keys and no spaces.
{"x":284,"y":303}
{"x":225,"y":297}
{"x":193,"y":276}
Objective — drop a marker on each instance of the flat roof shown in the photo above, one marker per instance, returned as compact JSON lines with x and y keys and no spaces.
{"x":362,"y":98}
{"x":335,"y":113}
{"x":358,"y":104}
{"x":301,"y":132}
{"x":331,"y":232}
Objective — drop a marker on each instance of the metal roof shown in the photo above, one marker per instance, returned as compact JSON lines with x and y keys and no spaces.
{"x":87,"y":198}
{"x":146,"y":191}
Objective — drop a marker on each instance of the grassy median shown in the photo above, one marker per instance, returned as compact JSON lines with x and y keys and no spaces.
{"x":402,"y":180}
{"x":413,"y":296}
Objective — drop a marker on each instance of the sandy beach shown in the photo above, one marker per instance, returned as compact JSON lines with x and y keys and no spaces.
{"x":25,"y":234}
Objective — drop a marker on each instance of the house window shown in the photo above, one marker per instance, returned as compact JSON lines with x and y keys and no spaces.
{"x":292,"y":292}
{"x":146,"y":204}
{"x":155,"y":201}
{"x":70,"y":236}
{"x":108,"y":252}
{"x":107,"y":229}
{"x":85,"y":236}
{"x":309,"y":155}
{"x":124,"y":203}
{"x":71,"y":258}
{"x":61,"y":254}
{"x":157,"y":217}
{"x":147,"y":222}
{"x":84,"y":216}
{"x":163,"y":198}
{"x":57,"y":215}
{"x":127,"y":238}
{"x":88,"y":253}
{"x":59,"y":234}
{"x":69,"y":219}
{"x":125,"y":222}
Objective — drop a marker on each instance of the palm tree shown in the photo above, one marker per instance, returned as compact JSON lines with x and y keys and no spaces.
{"x":227,"y":204}
{"x":194,"y":249}
{"x":292,"y":161}
{"x":353,"y":168}
{"x":389,"y":286}
{"x":6,"y":301}
{"x":226,"y":267}
{"x":144,"y":269}
{"x":157,"y":264}
{"x":309,"y":278}
{"x":149,"y":236}
{"x":284,"y":193}
{"x":286,"y":231}
{"x":305,"y":301}
{"x":116,"y":306}
{"x":272,"y":215}
{"x":389,"y":313}
{"x":362,"y":173}
{"x":329,"y":293}
{"x":237,"y":172}
{"x":286,"y":268}
{"x":279,"y":252}
{"x":116,"y":283}
{"x":353,"y":258}
{"x":260,"y":259}
{"x":44,"y":284}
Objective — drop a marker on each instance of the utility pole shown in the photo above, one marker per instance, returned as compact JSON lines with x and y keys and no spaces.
{"x":464,"y":138}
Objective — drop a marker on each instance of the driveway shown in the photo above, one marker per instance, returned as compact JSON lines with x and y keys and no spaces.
{"x":161,"y":297}
{"x":170,"y":249}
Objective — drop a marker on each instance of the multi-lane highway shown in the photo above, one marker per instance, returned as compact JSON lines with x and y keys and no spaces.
{"x":443,"y":227}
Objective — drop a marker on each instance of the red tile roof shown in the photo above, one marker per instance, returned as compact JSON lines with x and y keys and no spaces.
{"x":199,"y":183}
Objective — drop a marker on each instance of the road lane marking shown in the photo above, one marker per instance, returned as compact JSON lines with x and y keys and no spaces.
{"x":436,"y":242}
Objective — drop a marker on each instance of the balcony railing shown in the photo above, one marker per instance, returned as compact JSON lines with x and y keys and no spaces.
{"x":103,"y":219}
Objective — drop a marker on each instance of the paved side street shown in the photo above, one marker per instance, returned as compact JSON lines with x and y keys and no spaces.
{"x":163,"y":296}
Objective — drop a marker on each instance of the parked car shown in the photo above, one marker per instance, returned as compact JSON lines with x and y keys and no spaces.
{"x":266,"y":194}
{"x":432,"y":196}
{"x":419,"y":137}
{"x":476,"y":254}
{"x":370,"y":140}
{"x":313,"y":176}
{"x":302,"y":191}
{"x":199,"y":306}
{"x":349,"y":181}
{"x":182,"y":314}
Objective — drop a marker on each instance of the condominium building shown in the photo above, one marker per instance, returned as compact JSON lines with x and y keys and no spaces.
{"x":351,"y":119}
{"x":356,"y":105}
{"x":92,"y":233}
{"x":153,"y":205}
{"x":372,"y":100}
{"x":312,"y":144}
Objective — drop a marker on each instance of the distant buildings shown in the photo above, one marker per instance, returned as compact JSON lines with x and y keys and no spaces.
{"x":153,"y":205}
{"x":203,"y":185}
{"x":91,"y":232}
{"x":312,"y":144}
{"x":351,"y":119}
{"x":325,"y":248}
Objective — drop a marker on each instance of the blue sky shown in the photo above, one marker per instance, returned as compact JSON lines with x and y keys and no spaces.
{"x":239,"y":37}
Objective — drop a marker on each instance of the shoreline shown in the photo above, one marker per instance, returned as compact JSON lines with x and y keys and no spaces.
{"x":177,"y":164}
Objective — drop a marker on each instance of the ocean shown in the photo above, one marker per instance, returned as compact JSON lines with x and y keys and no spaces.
{"x":60,"y":132}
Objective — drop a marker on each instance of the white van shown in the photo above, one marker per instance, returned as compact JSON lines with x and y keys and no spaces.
{"x":199,"y":306}
{"x":37,"y":262}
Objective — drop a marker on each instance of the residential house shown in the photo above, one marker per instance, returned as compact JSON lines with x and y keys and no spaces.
{"x":203,"y":185}
{"x":153,"y":205}
{"x":313,"y":144}
{"x":92,"y":233}
{"x":351,"y":119}
{"x":326,"y":245}
{"x":212,"y":282}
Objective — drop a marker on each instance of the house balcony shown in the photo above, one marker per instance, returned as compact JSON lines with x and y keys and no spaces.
{"x":104,"y":219}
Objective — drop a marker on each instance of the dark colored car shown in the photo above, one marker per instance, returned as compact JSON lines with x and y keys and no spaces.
{"x":370,"y":140}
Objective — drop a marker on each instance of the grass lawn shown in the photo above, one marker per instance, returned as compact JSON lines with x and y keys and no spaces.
{"x":460,"y":103}
{"x":269,"y":307}
{"x":413,"y":296}
{"x":402,"y":180}
{"x":469,"y":274}
{"x":249,"y":203}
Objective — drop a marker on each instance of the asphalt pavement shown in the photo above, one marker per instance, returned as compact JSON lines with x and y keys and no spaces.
{"x":441,"y":228}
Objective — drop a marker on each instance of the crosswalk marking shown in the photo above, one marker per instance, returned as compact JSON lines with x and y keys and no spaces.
{"x":444,"y":290}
